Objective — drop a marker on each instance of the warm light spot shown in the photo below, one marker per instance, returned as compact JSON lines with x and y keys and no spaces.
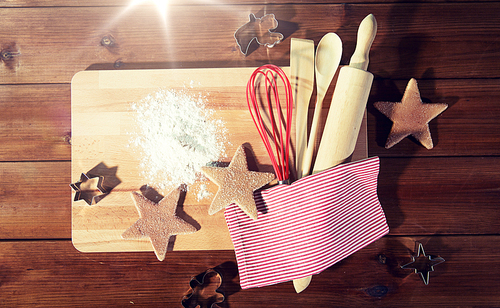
{"x":162,"y":6}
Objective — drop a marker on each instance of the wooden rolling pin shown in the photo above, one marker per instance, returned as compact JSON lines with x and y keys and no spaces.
{"x":346,"y":111}
{"x":348,"y":103}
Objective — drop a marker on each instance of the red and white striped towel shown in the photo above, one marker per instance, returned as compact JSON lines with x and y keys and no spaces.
{"x":308,"y":226}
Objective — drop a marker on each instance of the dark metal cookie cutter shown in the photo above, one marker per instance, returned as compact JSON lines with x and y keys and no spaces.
{"x":89,"y":194}
{"x":260,"y":30}
{"x":423,"y":264}
{"x":204,"y":291}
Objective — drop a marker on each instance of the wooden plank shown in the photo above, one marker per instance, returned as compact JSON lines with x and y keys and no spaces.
{"x":35,"y":122}
{"x":60,"y":276}
{"x":35,"y":119}
{"x":98,"y":3}
{"x":440,"y":195}
{"x":419,"y":196}
{"x":34,"y":200}
{"x":413,"y":40}
{"x":422,"y":196}
{"x":467,"y":127}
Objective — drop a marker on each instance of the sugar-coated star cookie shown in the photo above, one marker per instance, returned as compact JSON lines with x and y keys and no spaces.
{"x":236,"y":184}
{"x":158,"y":222}
{"x":410,"y":116}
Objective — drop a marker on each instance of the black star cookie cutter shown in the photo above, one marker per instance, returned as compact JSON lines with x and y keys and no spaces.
{"x":89,"y":189}
{"x":423,"y":264}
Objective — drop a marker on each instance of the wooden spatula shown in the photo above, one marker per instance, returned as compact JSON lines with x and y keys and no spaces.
{"x":302,"y":81}
{"x":328,"y":54}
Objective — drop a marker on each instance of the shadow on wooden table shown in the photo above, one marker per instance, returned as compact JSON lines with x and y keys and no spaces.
{"x":208,"y":293}
{"x":110,"y":180}
{"x":399,"y":251}
{"x":228,"y":271}
{"x":118,"y":65}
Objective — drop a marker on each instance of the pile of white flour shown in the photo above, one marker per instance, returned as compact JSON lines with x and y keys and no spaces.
{"x":176,"y":135}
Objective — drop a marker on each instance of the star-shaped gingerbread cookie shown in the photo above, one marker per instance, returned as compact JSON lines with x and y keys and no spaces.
{"x":236,"y":184}
{"x":158,"y":222}
{"x":411,"y":116}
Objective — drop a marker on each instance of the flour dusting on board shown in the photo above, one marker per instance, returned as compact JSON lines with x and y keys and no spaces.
{"x":177,"y":135}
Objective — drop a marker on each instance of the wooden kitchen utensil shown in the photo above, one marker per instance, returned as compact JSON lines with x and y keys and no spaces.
{"x":302,"y":81}
{"x":346,"y":111}
{"x":348,"y":103}
{"x":328,"y":54}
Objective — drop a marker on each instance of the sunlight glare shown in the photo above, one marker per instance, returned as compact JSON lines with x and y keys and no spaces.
{"x":162,"y":6}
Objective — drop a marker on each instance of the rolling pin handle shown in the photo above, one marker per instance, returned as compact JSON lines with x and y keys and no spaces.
{"x":366,"y":34}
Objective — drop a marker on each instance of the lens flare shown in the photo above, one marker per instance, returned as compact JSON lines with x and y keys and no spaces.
{"x":162,"y":6}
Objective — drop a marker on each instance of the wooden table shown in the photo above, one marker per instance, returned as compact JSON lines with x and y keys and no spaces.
{"x":447,"y":198}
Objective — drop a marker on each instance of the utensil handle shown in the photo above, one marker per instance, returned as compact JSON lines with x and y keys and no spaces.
{"x":313,"y":137}
{"x":366,"y":34}
{"x":302,"y":81}
{"x":301,"y":284}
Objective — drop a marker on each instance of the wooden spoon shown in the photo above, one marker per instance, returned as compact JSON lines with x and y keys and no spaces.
{"x":328,"y":54}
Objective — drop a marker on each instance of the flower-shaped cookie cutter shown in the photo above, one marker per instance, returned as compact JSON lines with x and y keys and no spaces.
{"x":260,"y":30}
{"x":88,"y":189}
{"x":204,"y":291}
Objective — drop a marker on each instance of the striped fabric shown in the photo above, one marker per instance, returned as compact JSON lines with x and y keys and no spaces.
{"x":308,"y":226}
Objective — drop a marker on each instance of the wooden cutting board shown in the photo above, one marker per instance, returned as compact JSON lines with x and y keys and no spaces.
{"x":101,"y":124}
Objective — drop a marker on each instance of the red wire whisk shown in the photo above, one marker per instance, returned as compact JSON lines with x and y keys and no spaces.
{"x":264,"y":97}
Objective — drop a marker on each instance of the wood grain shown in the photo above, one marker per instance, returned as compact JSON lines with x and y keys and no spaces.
{"x":413,"y":40}
{"x":60,"y":276}
{"x":467,"y":127}
{"x":35,"y":200}
{"x":35,"y":122}
{"x":35,"y":119}
{"x":421,"y":196}
{"x":440,"y":195}
{"x":102,"y":122}
{"x":447,"y":197}
{"x":98,"y":3}
{"x":103,"y":98}
{"x":302,"y":82}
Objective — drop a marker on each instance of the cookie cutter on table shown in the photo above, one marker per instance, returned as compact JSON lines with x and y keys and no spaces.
{"x":260,"y":30}
{"x":91,"y":196}
{"x":203,"y":291}
{"x":422,"y":264}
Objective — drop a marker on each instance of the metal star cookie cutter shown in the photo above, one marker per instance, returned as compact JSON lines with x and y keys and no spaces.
{"x":423,"y":264}
{"x":260,"y":30}
{"x":87,"y":191}
{"x":201,"y":287}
